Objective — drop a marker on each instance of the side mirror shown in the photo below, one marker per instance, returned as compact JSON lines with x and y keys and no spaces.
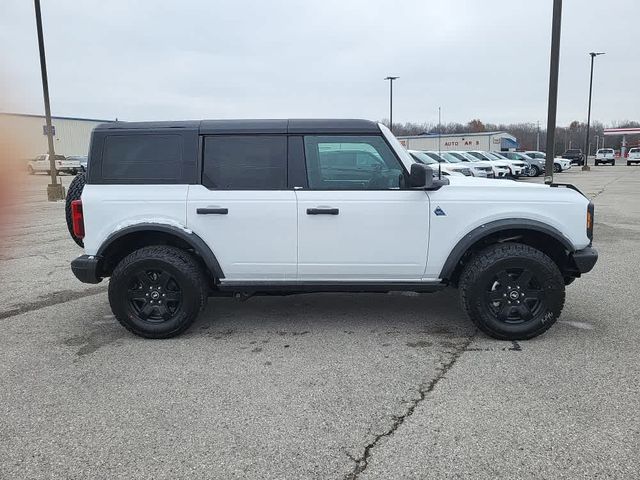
{"x":422,"y":177}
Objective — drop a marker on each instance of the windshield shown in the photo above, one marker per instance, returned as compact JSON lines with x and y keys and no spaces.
{"x":405,"y":156}
{"x":494,"y":156}
{"x":423,"y":158}
{"x":480,"y":156}
{"x":536,"y":154}
{"x":452,"y":157}
{"x":437,"y":157}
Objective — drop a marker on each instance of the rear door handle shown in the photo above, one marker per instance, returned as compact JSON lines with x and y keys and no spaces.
{"x":322,"y":211}
{"x":212,"y":211}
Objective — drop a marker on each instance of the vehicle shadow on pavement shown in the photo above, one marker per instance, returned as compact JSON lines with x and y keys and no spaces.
{"x":437,"y":313}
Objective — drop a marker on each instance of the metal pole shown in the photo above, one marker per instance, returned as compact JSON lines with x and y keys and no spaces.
{"x":391,"y":105}
{"x":586,"y":143}
{"x":391,"y":79}
{"x":586,"y":146}
{"x":54,"y":190}
{"x":538,"y":138}
{"x":553,"y":89}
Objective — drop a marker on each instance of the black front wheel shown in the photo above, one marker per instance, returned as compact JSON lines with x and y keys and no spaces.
{"x":157,"y":291}
{"x":512,"y":291}
{"x":556,"y":168}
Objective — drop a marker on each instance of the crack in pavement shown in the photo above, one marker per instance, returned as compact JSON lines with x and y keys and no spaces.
{"x":54,"y":298}
{"x":362,"y":462}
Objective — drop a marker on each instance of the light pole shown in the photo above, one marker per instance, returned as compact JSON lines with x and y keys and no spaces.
{"x":55,"y":191}
{"x":586,"y":145}
{"x":554,"y":66}
{"x":391,"y":79}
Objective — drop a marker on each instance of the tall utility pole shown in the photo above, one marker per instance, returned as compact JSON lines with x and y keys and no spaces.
{"x":554,"y":66}
{"x":391,"y":79}
{"x":538,"y":137}
{"x":55,"y":191}
{"x":586,"y":144}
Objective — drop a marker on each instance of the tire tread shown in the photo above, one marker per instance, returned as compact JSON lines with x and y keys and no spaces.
{"x":488,"y":257}
{"x":179,"y":258}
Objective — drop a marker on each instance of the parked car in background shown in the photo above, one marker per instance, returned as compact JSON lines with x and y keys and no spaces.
{"x":82,"y":160}
{"x":517,"y":168}
{"x":479,"y":169}
{"x":634,"y":156}
{"x":535,"y":165}
{"x":41,"y":163}
{"x":575,"y":155}
{"x":438,"y":166}
{"x":69,"y":165}
{"x":456,"y":166}
{"x":499,"y":170}
{"x":605,"y":155}
{"x":559,"y":164}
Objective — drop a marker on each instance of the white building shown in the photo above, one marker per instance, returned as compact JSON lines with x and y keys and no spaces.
{"x":27,"y":132}
{"x":485,"y":141}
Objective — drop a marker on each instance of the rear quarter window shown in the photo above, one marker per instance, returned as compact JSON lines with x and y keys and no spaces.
{"x":142,"y":157}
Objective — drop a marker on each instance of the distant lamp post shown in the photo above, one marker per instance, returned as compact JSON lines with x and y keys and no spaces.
{"x":391,"y":79}
{"x":55,"y":190}
{"x":586,"y":145}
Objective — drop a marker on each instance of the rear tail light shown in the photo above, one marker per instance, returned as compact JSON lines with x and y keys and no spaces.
{"x":77,"y":219}
{"x":590,"y":210}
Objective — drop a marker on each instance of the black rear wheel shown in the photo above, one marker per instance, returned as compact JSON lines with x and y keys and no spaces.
{"x":533,"y":171}
{"x":512,"y":291}
{"x":157,"y":291}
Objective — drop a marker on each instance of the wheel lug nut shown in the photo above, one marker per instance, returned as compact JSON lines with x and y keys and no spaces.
{"x":147,"y":294}
{"x":164,"y":294}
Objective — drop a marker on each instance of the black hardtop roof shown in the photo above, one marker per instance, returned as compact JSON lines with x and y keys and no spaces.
{"x":220,"y":127}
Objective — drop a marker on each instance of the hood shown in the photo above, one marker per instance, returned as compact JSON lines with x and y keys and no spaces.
{"x":493,"y":183}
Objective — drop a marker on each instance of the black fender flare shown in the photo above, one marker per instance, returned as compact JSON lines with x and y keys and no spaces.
{"x":496,"y":226}
{"x":199,"y":246}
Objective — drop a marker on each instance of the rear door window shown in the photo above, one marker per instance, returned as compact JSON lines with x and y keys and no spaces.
{"x":245,"y":162}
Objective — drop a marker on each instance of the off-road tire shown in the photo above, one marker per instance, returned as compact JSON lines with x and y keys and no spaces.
{"x":184,"y":272}
{"x":478,"y":286}
{"x":74,"y":193}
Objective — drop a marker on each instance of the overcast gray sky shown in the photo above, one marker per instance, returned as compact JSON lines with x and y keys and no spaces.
{"x":170,"y":59}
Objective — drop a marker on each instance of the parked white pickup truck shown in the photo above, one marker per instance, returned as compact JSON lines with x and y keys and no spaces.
{"x":41,"y":163}
{"x":175,"y":212}
{"x":605,"y":155}
{"x":634,"y":156}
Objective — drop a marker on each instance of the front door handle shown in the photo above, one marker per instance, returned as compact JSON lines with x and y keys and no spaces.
{"x":322,"y":211}
{"x":212,"y":211}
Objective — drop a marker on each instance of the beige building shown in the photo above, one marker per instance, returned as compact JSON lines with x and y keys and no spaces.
{"x":24,"y":135}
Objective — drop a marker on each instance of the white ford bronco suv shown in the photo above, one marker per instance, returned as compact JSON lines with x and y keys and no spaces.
{"x":176,"y":212}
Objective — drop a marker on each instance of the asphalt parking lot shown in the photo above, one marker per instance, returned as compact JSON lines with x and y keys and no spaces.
{"x":333,"y":386}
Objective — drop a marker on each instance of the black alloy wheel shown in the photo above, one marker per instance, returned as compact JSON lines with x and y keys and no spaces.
{"x":512,"y":291}
{"x":514,"y":296}
{"x":154,"y":295}
{"x":158,"y":291}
